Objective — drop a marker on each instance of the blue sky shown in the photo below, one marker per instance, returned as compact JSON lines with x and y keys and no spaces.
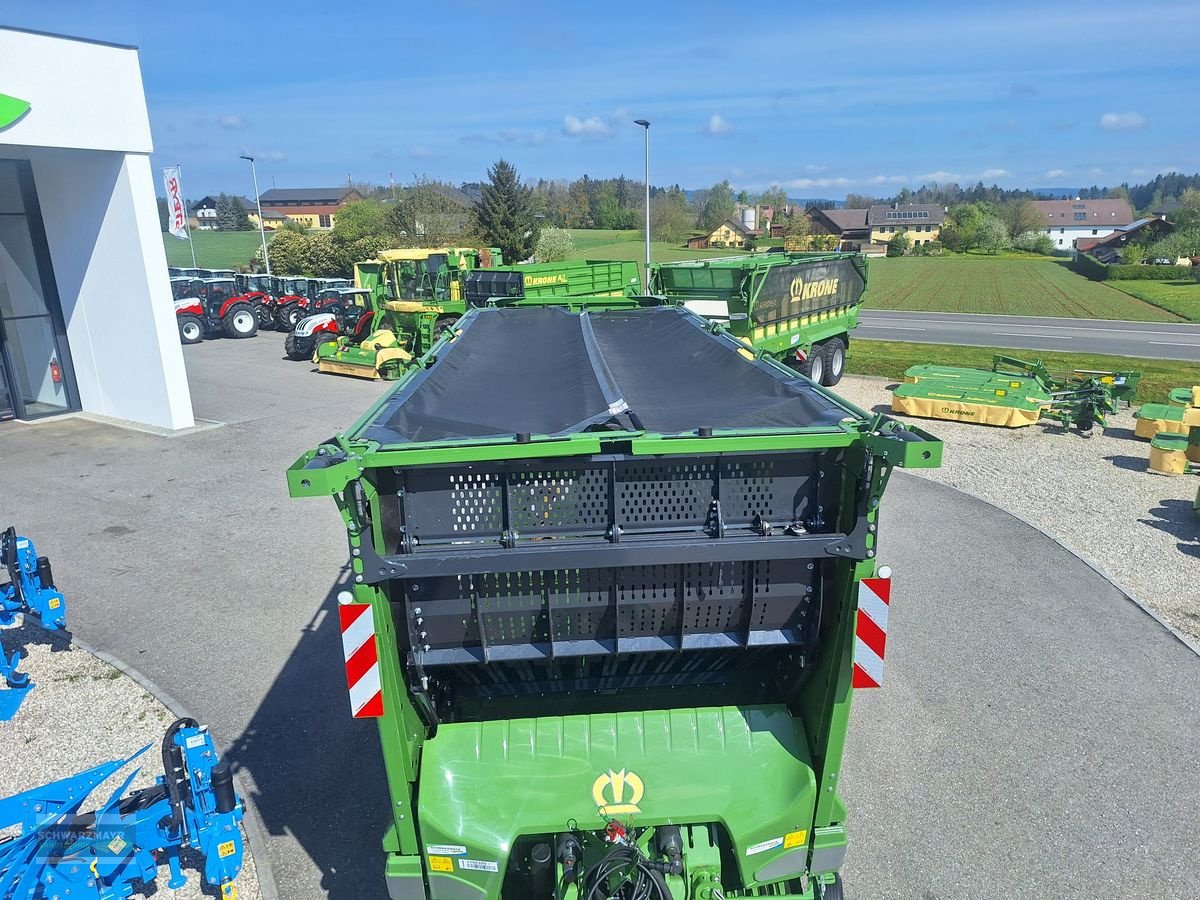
{"x":819,"y":100}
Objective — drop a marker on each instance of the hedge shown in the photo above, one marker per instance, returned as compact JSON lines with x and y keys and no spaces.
{"x":1150,"y":273}
{"x":1090,"y":267}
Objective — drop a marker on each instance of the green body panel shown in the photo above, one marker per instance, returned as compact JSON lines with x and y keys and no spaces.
{"x":784,"y":304}
{"x":484,"y":784}
{"x":765,"y":776}
{"x":572,"y":278}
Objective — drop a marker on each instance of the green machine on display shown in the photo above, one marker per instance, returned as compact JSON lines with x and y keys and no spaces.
{"x":797,"y":308}
{"x":415,"y":312}
{"x":610,"y":634}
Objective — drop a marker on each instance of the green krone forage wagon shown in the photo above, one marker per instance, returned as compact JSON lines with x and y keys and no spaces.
{"x":614,"y":579}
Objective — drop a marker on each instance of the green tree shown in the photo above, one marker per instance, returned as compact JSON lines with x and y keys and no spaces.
{"x":293,"y":226}
{"x":899,"y":245}
{"x":859,"y":201}
{"x":1019,"y":217}
{"x":775,"y":197}
{"x":504,"y":214}
{"x":321,"y":257}
{"x":226,"y":217}
{"x":288,"y":250}
{"x":743,"y":198}
{"x":716,"y":205}
{"x":672,"y":218}
{"x":554,"y":245}
{"x":426,"y":216}
{"x":992,"y":236}
{"x":359,"y":219}
{"x":1188,"y":214}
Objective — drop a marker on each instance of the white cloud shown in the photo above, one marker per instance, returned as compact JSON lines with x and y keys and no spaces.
{"x":1126,"y":121}
{"x":591,"y":127}
{"x":1055,"y":173}
{"x":419,"y":152}
{"x":940,"y":175}
{"x":265,"y":155}
{"x":716,"y":126}
{"x":995,"y":173}
{"x":231,"y":121}
{"x":816,"y":169}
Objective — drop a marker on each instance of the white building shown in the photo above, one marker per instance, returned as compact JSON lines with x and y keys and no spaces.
{"x":86,"y":318}
{"x":1067,"y":220}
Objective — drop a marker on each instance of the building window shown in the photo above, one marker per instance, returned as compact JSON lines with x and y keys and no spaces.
{"x":1095,"y":231}
{"x":1081,"y":217}
{"x":324,"y":221}
{"x":1062,"y":231}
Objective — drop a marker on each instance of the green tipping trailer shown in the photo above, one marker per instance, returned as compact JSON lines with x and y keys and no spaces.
{"x":408,"y":326}
{"x":798,"y":308}
{"x":611,"y":632}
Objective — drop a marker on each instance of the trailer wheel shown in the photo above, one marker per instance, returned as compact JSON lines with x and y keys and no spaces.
{"x":833,"y":891}
{"x":191,"y":329}
{"x":240,"y":321}
{"x":835,"y":361}
{"x":814,"y":366}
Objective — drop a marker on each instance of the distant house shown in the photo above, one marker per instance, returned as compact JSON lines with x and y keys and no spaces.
{"x":311,"y":207}
{"x":921,"y":221}
{"x":205,"y":212}
{"x":850,"y":225}
{"x":730,"y":233}
{"x":1066,"y":221}
{"x":1108,"y":248}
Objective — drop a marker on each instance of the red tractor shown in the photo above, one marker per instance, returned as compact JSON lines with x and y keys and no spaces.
{"x":216,"y":309}
{"x":257,"y":290}
{"x":302,"y":298}
{"x":341,"y":311}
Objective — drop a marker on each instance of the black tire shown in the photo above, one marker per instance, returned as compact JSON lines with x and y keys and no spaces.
{"x":814,"y":366}
{"x":263,"y":313}
{"x":240,"y":321}
{"x":833,"y":891}
{"x":287,"y":316}
{"x":442,"y":325}
{"x":835,"y":361}
{"x":290,"y":348}
{"x":191,"y":329}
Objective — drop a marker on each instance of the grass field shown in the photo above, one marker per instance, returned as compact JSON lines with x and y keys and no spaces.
{"x":214,"y":249}
{"x":1180,"y":297}
{"x":1013,"y":286}
{"x":594,"y":243}
{"x":889,"y":359}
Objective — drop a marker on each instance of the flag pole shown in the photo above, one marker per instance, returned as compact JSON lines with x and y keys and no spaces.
{"x":186,"y":227}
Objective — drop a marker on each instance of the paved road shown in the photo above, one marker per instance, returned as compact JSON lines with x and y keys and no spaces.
{"x":1036,"y":734}
{"x":1152,"y":340}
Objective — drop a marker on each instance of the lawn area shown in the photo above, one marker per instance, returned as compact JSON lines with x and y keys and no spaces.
{"x":597,"y":243}
{"x":889,"y":359}
{"x":214,"y":249}
{"x":1009,"y":286}
{"x":1180,"y":297}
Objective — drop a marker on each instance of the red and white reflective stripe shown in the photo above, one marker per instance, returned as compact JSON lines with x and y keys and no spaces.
{"x":361,"y":652}
{"x":870,"y":633}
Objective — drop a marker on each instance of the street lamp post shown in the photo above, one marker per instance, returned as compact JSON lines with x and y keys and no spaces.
{"x":262,"y":234}
{"x":646,"y":130}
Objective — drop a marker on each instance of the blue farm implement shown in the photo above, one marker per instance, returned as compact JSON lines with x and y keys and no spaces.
{"x":62,"y":852}
{"x":30,"y":589}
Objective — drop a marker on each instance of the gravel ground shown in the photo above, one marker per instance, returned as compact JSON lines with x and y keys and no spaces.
{"x":1091,"y":493}
{"x":82,"y":712}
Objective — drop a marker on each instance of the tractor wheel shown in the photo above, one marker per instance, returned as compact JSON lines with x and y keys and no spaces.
{"x":835,"y":361}
{"x":814,"y":366}
{"x":263,"y":314}
{"x":442,"y":325}
{"x":240,"y":321}
{"x":191,"y":329}
{"x":290,"y":348}
{"x":288,"y":316}
{"x":833,"y":891}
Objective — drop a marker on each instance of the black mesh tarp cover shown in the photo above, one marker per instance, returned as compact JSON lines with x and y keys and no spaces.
{"x":551,"y":372}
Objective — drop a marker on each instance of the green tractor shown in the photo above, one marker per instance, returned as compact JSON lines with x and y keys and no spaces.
{"x":417,"y":313}
{"x":610,"y":635}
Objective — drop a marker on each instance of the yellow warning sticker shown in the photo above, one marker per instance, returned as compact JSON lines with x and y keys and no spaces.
{"x":228,"y":892}
{"x":225,"y":848}
{"x":54,"y":603}
{"x":116,"y":845}
{"x":795,"y":839}
{"x":441,"y":864}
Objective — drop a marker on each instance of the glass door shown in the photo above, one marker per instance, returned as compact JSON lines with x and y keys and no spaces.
{"x":35,"y":371}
